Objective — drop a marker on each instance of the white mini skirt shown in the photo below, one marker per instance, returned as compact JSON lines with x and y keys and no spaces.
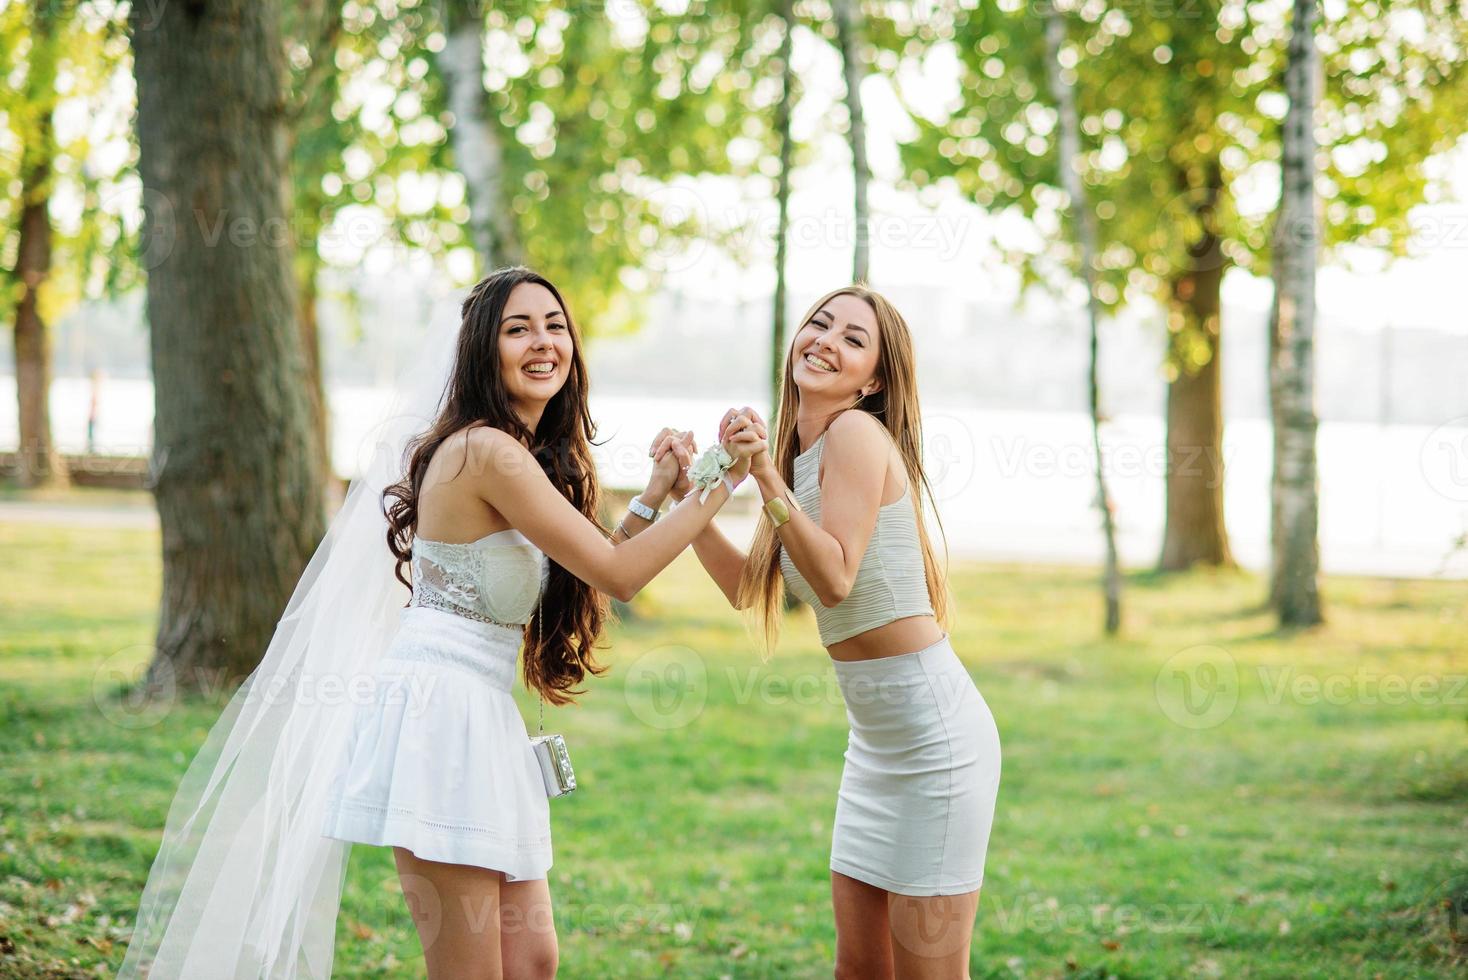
{"x":922,"y":773}
{"x":438,"y":760}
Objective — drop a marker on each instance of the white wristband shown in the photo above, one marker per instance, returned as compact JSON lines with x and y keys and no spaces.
{"x":636,"y":506}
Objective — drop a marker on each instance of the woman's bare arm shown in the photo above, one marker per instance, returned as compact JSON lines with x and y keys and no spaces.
{"x":510,"y":480}
{"x":717,"y":554}
{"x":829,"y":554}
{"x":721,"y":559}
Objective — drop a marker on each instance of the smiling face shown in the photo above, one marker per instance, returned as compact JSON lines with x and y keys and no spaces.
{"x":835,"y":353}
{"x":535,"y":346}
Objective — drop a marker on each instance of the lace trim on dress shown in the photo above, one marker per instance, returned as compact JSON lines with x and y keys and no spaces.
{"x":484,"y":582}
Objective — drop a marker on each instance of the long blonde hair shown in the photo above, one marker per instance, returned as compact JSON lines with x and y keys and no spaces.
{"x":895,"y":405}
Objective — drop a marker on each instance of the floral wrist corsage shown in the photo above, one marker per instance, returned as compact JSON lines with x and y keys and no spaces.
{"x":710,"y":469}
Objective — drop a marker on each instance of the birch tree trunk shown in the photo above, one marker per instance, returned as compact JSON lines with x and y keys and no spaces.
{"x":1069,"y":140}
{"x":1294,"y":587}
{"x":849,"y":37}
{"x":782,"y":202}
{"x":475,"y":136}
{"x":778,"y":340}
{"x":237,"y":482}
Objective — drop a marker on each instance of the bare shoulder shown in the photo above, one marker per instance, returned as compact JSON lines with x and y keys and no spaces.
{"x":857,"y":447}
{"x":486,"y":439}
{"x":479,"y":449}
{"x":495,"y":451}
{"x":857,"y":433}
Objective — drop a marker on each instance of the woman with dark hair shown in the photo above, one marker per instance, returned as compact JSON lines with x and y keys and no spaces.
{"x":497,"y":520}
{"x":493,"y":508}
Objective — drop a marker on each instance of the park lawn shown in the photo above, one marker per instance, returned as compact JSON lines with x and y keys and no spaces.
{"x":1143,"y":830}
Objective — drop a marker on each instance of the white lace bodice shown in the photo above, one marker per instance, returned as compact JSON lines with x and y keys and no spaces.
{"x":497,"y":579}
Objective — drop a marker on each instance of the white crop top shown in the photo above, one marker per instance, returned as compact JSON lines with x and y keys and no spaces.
{"x":497,"y":579}
{"x":891,"y":582}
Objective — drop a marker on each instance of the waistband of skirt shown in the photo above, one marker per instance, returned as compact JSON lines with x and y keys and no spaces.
{"x":436,"y":637}
{"x":440,"y":619}
{"x":940,"y":651}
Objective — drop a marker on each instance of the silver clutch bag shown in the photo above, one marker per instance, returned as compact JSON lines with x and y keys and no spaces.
{"x":550,"y":751}
{"x":555,"y":764}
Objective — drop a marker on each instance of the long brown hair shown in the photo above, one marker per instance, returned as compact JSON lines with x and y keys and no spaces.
{"x":895,"y":405}
{"x":558,"y":655}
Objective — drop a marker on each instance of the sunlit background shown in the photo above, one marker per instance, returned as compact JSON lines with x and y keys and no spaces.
{"x":1208,"y":771}
{"x":1002,"y":364}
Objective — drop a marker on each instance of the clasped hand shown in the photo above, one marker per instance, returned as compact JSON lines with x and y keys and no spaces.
{"x":742,"y":433}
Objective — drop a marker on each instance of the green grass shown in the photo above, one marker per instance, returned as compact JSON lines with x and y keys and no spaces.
{"x":1300,"y":836}
{"x":75,"y":496}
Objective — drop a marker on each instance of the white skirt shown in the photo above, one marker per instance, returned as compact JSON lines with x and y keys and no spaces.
{"x":439,"y":761}
{"x":922,"y":773}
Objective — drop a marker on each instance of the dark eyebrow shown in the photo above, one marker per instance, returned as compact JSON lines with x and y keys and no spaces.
{"x":526,"y":316}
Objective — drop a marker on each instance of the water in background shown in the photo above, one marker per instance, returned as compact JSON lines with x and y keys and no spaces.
{"x":1011,"y":485}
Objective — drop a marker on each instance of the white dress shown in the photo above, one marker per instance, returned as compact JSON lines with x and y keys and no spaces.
{"x":438,"y":760}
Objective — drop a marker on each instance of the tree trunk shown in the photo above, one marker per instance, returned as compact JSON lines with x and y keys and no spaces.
{"x":1294,"y":588}
{"x":237,"y":482}
{"x":1194,"y":532}
{"x":38,"y":462}
{"x":1070,"y":178}
{"x":782,"y":200}
{"x":475,"y":136}
{"x":313,"y":93}
{"x":315,"y":373}
{"x":782,"y":203}
{"x":848,"y":36}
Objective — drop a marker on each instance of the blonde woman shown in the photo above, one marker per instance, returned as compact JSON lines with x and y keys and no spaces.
{"x":843,"y":526}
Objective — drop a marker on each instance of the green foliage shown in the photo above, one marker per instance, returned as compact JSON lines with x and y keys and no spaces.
{"x":600,"y":125}
{"x":596,"y":116}
{"x":67,"y":58}
{"x":1396,"y":93}
{"x":358,"y":126}
{"x":1170,"y":93}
